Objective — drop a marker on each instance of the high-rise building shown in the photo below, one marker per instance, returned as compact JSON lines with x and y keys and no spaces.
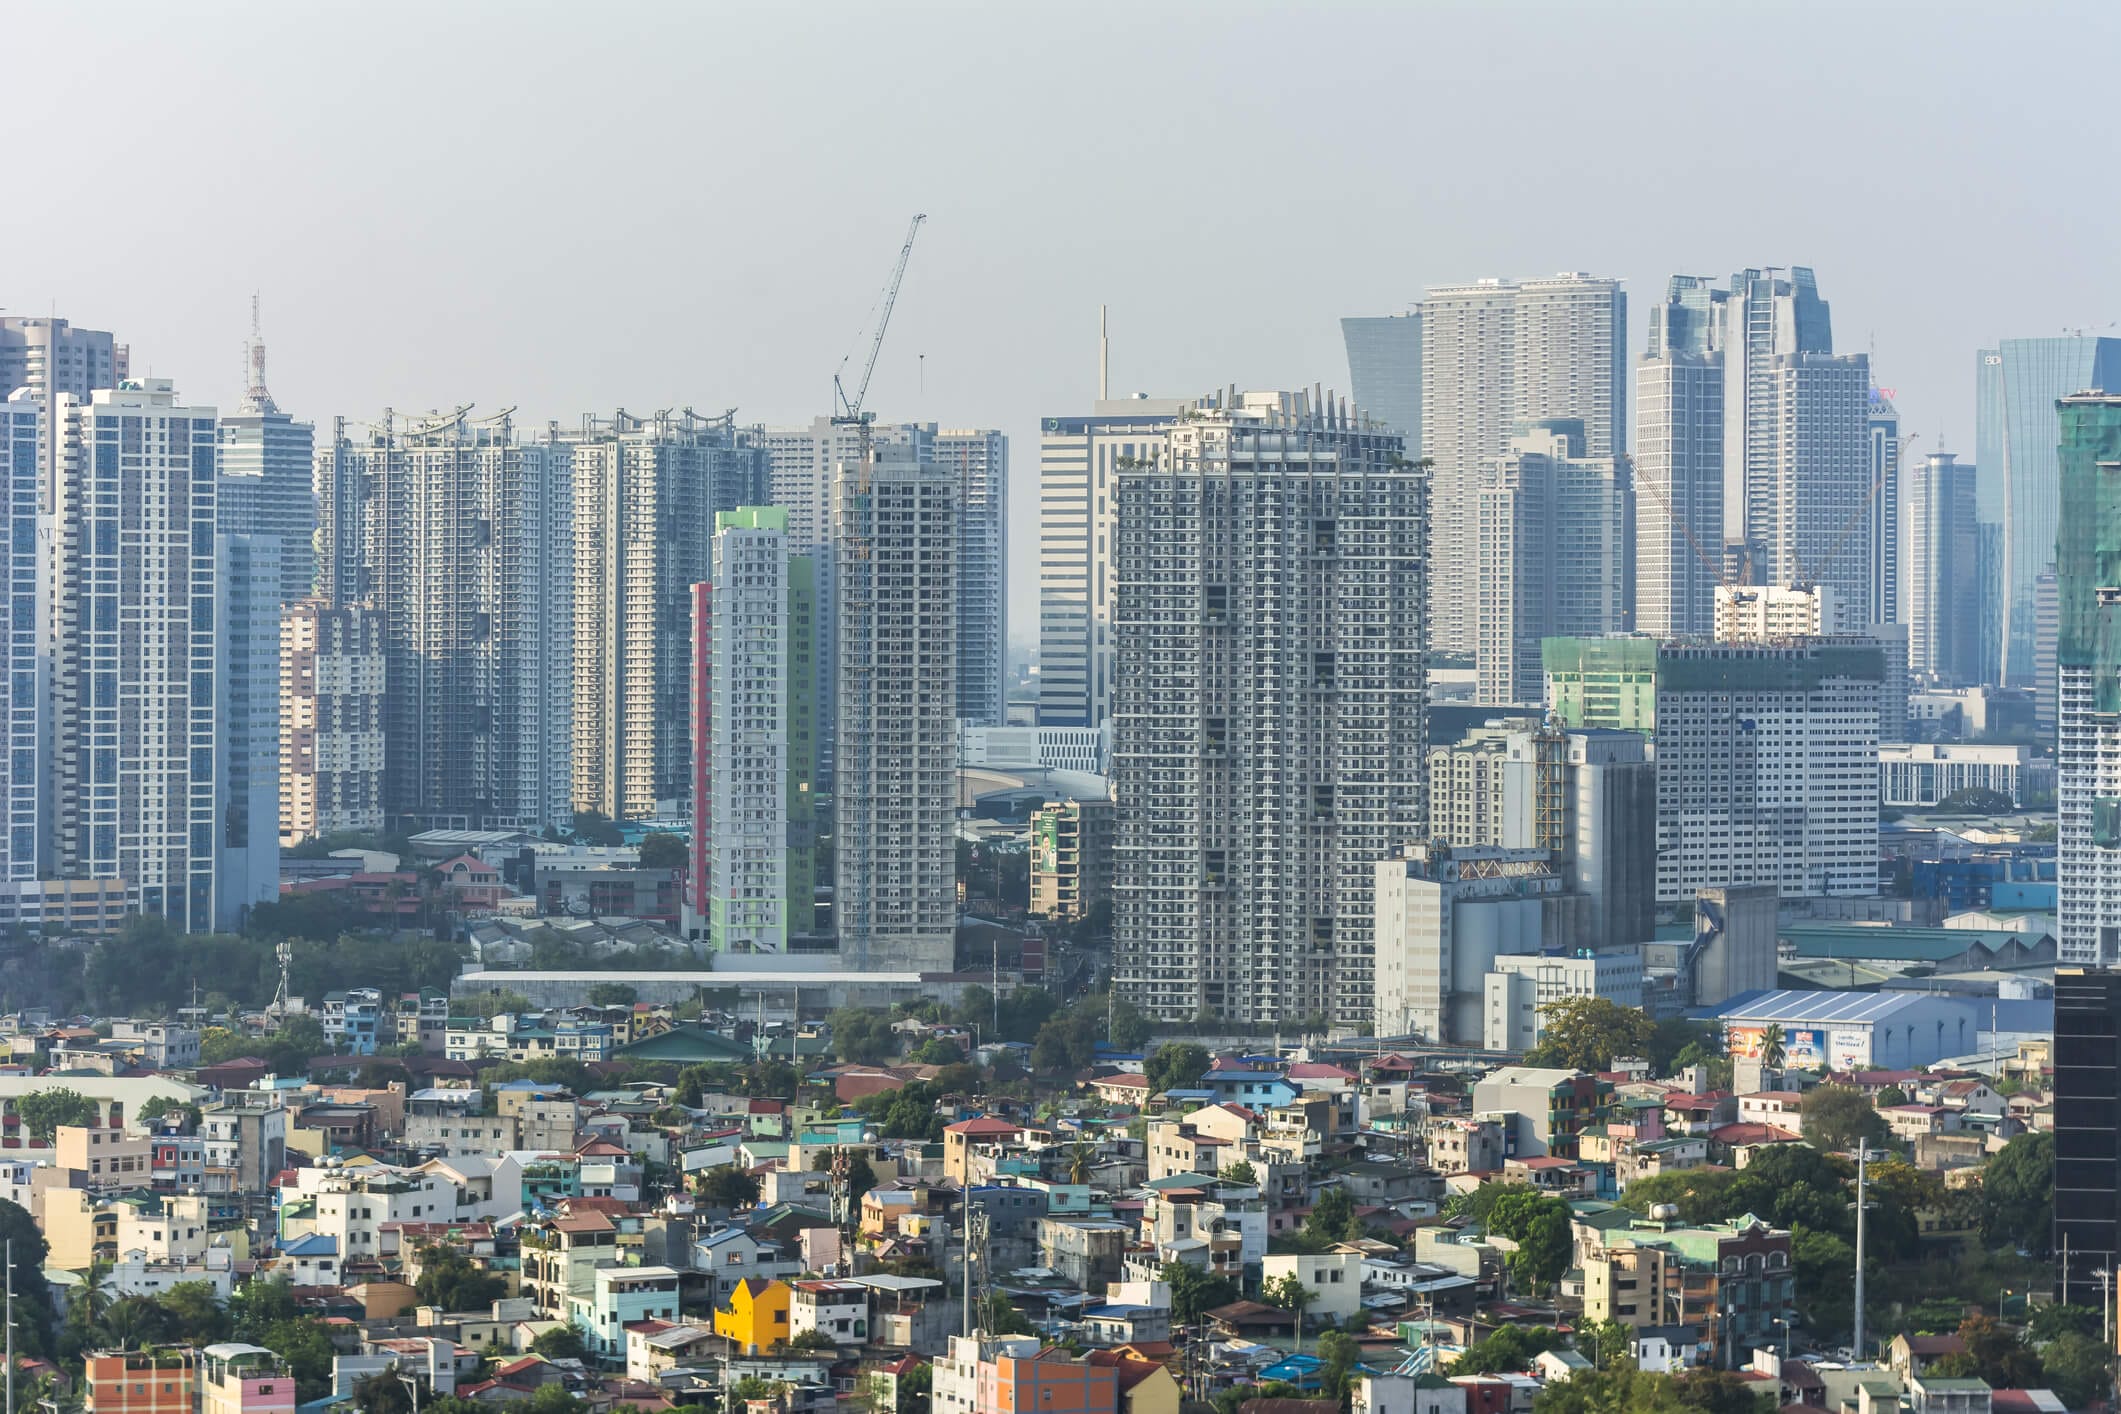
{"x":802,"y":461}
{"x":646,"y":492}
{"x":2088,"y":652}
{"x":895,"y":546}
{"x":1679,"y":461}
{"x":1767,"y":753}
{"x":2087,"y":1182}
{"x":1587,"y":797}
{"x":754,"y":845}
{"x":1495,"y":354}
{"x":980,"y":457}
{"x":1552,"y":532}
{"x":1779,"y":614}
{"x":51,"y":356}
{"x":1444,"y":914}
{"x":267,"y":479}
{"x":133,"y":681}
{"x":1882,"y":521}
{"x":331,"y":720}
{"x":1940,"y":535}
{"x":25,"y":715}
{"x":246,"y":628}
{"x":1071,"y":859}
{"x":1079,"y":461}
{"x":459,"y":537}
{"x":1270,"y":710}
{"x":1384,"y":371}
{"x":2016,"y":386}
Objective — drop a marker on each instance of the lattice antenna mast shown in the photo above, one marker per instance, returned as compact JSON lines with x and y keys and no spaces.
{"x":255,"y":396}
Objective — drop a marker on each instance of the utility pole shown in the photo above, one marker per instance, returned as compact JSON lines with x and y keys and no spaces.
{"x":11,"y":1325}
{"x":1863,"y":1153}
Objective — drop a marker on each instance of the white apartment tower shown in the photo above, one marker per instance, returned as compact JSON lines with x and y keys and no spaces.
{"x":458,"y":536}
{"x":1495,"y":354}
{"x":1679,"y":461}
{"x":133,"y":672}
{"x":753,"y":834}
{"x":1552,"y":538}
{"x":51,"y":356}
{"x":25,"y":718}
{"x":1940,"y":537}
{"x":247,"y":588}
{"x":895,"y":546}
{"x":331,"y":720}
{"x":1270,"y":707}
{"x":646,"y":493}
{"x":267,"y":483}
{"x":980,"y":458}
{"x":1079,"y":461}
{"x":2088,"y":672}
{"x":802,"y":462}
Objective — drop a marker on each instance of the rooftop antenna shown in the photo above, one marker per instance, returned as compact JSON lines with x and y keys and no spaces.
{"x":1104,"y":356}
{"x":255,"y":397}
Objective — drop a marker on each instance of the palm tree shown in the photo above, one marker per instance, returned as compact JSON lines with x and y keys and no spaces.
{"x":1772,"y":1051}
{"x":1080,"y":1156}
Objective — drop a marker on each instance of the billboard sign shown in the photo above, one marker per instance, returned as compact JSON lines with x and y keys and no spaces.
{"x":1803,"y":1047}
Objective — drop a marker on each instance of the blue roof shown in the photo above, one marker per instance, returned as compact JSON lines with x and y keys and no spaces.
{"x":1840,"y":1008}
{"x":316,"y":1244}
{"x":1217,"y":1076}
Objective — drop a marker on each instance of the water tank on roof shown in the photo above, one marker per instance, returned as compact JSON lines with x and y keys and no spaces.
{"x":1665,"y":1212}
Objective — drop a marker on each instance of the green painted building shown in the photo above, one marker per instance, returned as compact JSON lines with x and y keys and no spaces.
{"x":2088,"y":671}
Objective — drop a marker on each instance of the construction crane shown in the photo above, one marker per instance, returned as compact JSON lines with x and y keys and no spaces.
{"x":847,"y":412}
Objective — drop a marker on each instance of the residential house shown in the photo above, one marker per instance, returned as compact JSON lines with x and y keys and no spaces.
{"x":839,"y":1309}
{"x":1334,"y":1274}
{"x":756,"y":1318}
{"x":618,"y":1295}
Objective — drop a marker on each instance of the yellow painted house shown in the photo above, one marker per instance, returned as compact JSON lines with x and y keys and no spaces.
{"x":757,"y":1317}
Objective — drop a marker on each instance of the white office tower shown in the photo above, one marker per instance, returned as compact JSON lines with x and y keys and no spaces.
{"x":895,"y":797}
{"x":1270,"y":710}
{"x":1495,"y":354}
{"x":1767,"y":766}
{"x":754,"y":851}
{"x":267,"y":482}
{"x":1079,"y":461}
{"x":1881,"y":515}
{"x":980,"y":460}
{"x":1679,"y":461}
{"x":801,"y":466}
{"x":646,"y":492}
{"x":247,"y":587}
{"x":25,"y":720}
{"x":2088,"y":650}
{"x":1797,"y":459}
{"x":459,"y":537}
{"x":1551,"y":555}
{"x":133,"y":680}
{"x":331,"y":720}
{"x":51,"y":356}
{"x":1940,"y":536}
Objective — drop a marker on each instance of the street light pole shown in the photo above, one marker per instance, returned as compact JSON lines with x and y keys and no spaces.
{"x":1863,"y":1153}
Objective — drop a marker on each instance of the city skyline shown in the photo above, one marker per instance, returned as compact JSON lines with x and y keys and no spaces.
{"x":622,"y":317}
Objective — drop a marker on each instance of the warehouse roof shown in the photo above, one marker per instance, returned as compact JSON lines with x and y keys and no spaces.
{"x":1932,"y":945}
{"x":1840,"y":1008}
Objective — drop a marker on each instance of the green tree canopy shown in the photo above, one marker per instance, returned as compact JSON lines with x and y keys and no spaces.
{"x":662,"y":851}
{"x":1177,"y":1066}
{"x":1585,"y":1033}
{"x":559,"y":1343}
{"x":1838,"y":1117}
{"x":2018,"y":1193}
{"x":1130,"y":1029}
{"x":728,"y":1187}
{"x":861,"y":1036}
{"x":449,"y":1279}
{"x":1539,"y":1225}
{"x":1195,"y":1291}
{"x":43,"y":1112}
{"x":613,"y":994}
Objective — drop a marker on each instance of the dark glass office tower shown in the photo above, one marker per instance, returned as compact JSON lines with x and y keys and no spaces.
{"x":2087,"y":1113}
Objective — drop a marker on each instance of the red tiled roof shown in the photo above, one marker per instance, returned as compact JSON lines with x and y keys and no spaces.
{"x":982,"y":1126}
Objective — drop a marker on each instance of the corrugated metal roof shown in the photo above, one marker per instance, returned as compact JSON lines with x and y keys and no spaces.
{"x":1849,"y":1008}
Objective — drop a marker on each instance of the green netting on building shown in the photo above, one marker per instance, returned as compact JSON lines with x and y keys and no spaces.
{"x":2106,"y":822}
{"x":1738,"y":668}
{"x":2088,"y":545}
{"x":1602,"y":682}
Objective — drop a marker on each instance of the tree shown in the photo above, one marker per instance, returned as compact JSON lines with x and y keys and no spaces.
{"x":1196,"y":1291}
{"x":381,"y":1393}
{"x":2018,"y":1193}
{"x":44,"y":1111}
{"x":2075,"y":1367}
{"x":2051,"y":1322}
{"x":1065,"y":1043}
{"x":1606,"y":1344}
{"x":1774,"y":1049}
{"x":728,"y":1187}
{"x":1003,"y":1318}
{"x":33,"y":1301}
{"x":450,"y":1280}
{"x":862,"y":1037}
{"x":1975,"y":800}
{"x":303,"y":1344}
{"x":194,"y":1315}
{"x":1239,"y":1172}
{"x":594,"y":827}
{"x":1290,"y":1294}
{"x":1539,"y":1225}
{"x":1339,"y":1354}
{"x":813,"y":1340}
{"x":1177,"y":1066}
{"x":861,"y":1177}
{"x":1891,"y":1095}
{"x":1838,"y":1117}
{"x":613,"y":993}
{"x":562,"y":1342}
{"x":1332,"y":1218}
{"x":1509,"y":1349}
{"x":1129,"y":1027}
{"x":662,"y":851}
{"x":1585,"y":1033}
{"x":1994,"y":1353}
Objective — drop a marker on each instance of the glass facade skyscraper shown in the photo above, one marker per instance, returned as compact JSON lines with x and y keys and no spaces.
{"x":1384,"y":371}
{"x":2016,"y":385}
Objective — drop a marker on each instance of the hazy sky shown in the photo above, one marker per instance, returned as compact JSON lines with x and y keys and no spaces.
{"x":579,"y":206}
